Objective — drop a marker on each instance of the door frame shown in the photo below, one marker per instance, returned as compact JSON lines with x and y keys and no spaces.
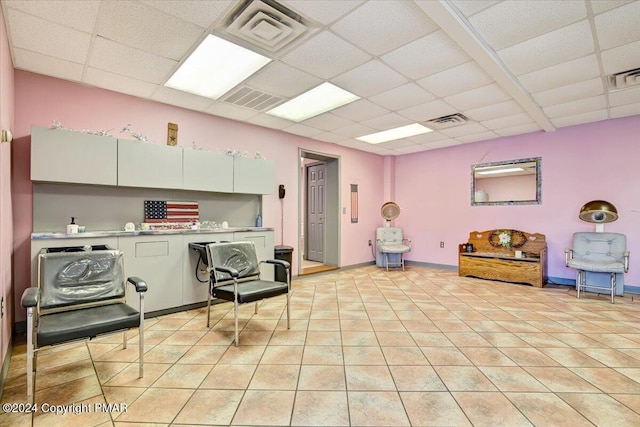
{"x":332,"y":205}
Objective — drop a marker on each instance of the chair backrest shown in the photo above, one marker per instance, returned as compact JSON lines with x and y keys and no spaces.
{"x":72,"y":280}
{"x":388,"y":235}
{"x":599,"y":246}
{"x":238,"y":255}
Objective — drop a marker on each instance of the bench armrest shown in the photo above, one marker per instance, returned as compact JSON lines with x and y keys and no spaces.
{"x":231,"y":271}
{"x":30,"y":297}
{"x":277,"y":262}
{"x":140,"y":285}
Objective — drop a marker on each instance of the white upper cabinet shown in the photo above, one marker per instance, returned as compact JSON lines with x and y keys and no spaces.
{"x":143,"y":164}
{"x":75,"y":157}
{"x":207,"y":171}
{"x":253,"y":176}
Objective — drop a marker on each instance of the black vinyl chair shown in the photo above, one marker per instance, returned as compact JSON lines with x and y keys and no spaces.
{"x":235,"y":276}
{"x":84,"y":297}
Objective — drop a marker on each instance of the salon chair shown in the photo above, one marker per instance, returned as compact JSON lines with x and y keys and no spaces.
{"x":392,"y":245}
{"x":598,"y":253}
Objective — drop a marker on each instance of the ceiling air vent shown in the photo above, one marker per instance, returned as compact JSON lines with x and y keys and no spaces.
{"x":624,"y":80}
{"x":247,"y":97}
{"x":266,"y":24}
{"x":449,"y":121}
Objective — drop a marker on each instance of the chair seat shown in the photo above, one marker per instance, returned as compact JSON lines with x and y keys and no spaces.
{"x":596,"y":266}
{"x":89,"y":322}
{"x":254,"y":290}
{"x":393,"y":248}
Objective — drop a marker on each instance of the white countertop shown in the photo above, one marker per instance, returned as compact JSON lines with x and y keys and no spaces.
{"x":121,"y":233}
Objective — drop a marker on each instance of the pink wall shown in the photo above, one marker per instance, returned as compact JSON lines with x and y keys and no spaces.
{"x":6,"y":232}
{"x":579,"y":164}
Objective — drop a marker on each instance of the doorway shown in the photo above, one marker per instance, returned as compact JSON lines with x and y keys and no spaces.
{"x":319,"y":212}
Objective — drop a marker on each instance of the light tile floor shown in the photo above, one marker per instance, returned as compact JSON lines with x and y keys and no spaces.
{"x":366,"y":348}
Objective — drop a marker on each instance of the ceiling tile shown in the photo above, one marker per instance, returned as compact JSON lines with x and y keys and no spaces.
{"x":118,"y":83}
{"x":329,"y":137}
{"x":518,"y":130}
{"x":269,"y":121}
{"x":464,"y":130}
{"x":354,"y":130}
{"x":77,"y":15}
{"x":42,"y":64}
{"x":470,"y":7}
{"x":494,"y":111}
{"x":415,"y":148}
{"x":326,"y":56}
{"x":181,"y":99}
{"x":146,"y":28}
{"x":48,"y":38}
{"x":604,"y":5}
{"x":576,"y":107}
{"x":428,"y":111}
{"x":545,"y":50}
{"x":404,"y":96}
{"x":359,"y":110}
{"x":230,"y":111}
{"x":281,"y":79}
{"x":508,"y":121}
{"x":302,"y":130}
{"x":322,"y":11}
{"x":388,"y":121}
{"x":483,"y":136}
{"x":201,"y":13}
{"x":564,"y":94}
{"x":455,"y":80}
{"x":511,"y":22}
{"x":327,"y":122}
{"x":428,"y":138}
{"x":485,"y":95}
{"x":618,"y":26}
{"x":621,"y":58}
{"x":427,"y":55}
{"x":398,"y":143}
{"x":116,"y":58}
{"x":383,"y":25}
{"x":578,"y":119}
{"x":369,"y":79}
{"x":563,"y":74}
{"x":442,"y":143}
{"x":624,"y":97}
{"x":625,"y":110}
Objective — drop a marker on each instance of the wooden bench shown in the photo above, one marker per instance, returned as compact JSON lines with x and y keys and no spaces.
{"x":491,"y":260}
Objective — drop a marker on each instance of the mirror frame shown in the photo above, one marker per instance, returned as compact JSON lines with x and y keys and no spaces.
{"x":538,"y":199}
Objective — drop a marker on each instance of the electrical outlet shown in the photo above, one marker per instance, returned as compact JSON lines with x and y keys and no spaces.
{"x":442,"y":244}
{"x":369,"y":242}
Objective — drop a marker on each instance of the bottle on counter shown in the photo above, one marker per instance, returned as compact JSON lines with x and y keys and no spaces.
{"x":72,"y":228}
{"x":259,"y":221}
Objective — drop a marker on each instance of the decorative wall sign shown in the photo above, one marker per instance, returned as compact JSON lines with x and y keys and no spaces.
{"x":172,"y":134}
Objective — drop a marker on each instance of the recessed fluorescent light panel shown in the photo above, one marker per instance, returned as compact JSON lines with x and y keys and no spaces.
{"x":396,"y":133}
{"x":496,"y":171}
{"x":316,"y":101}
{"x":215,"y":67}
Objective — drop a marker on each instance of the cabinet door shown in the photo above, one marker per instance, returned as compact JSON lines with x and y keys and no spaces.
{"x":193,"y":290}
{"x":66,"y":156}
{"x":207,"y":171}
{"x":143,"y":164}
{"x":263,"y":241}
{"x":252,"y":176}
{"x":158,"y":261}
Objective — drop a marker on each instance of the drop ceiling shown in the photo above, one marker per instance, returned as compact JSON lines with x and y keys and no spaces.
{"x":508,"y":67}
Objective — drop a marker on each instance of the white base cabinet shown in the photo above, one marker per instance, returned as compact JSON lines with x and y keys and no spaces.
{"x":158,"y":261}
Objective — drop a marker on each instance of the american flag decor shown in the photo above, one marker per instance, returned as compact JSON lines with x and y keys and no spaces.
{"x":170,"y":211}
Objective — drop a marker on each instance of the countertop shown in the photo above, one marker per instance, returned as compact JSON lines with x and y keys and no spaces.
{"x":121,"y":233}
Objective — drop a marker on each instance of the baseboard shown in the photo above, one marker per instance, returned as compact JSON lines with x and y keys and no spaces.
{"x":5,"y":366}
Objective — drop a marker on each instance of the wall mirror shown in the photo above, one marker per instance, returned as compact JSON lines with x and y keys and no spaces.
{"x":512,"y":182}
